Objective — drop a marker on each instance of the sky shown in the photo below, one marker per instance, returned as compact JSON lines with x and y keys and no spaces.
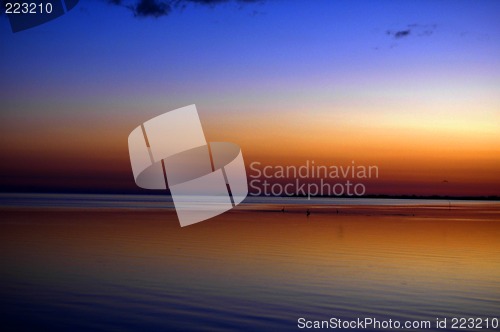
{"x":409,"y":86}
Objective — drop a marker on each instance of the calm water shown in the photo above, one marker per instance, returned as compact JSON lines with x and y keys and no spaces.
{"x":120,"y":268}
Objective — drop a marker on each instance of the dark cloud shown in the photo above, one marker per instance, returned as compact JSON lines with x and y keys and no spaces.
{"x":402,"y":33}
{"x":152,"y":8}
{"x":158,"y":8}
{"x":420,"y":30}
{"x":145,"y":8}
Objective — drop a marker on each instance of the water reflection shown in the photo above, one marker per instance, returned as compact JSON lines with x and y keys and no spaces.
{"x":248,"y":269}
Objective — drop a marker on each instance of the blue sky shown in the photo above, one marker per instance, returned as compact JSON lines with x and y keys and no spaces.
{"x":277,"y":47}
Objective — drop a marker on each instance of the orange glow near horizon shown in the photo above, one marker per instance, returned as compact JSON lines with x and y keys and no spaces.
{"x":413,"y":156}
{"x":421,"y":154}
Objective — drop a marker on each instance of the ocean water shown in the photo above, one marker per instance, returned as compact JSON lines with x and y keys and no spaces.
{"x":102,"y":263}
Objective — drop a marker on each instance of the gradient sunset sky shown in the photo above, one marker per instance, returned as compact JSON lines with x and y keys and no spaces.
{"x":410,"y":86}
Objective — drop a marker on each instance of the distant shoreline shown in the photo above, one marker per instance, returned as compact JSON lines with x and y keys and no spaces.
{"x":166,"y":193}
